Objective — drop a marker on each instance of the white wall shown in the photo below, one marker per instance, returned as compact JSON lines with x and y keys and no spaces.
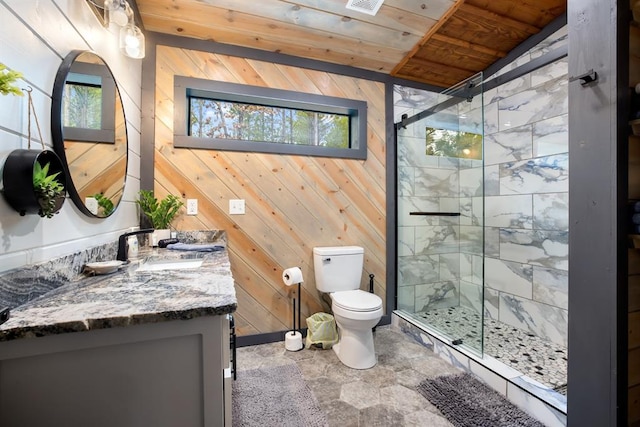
{"x":35,"y":36}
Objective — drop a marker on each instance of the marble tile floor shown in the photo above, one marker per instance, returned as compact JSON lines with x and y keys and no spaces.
{"x":381,"y":396}
{"x":539,"y":359}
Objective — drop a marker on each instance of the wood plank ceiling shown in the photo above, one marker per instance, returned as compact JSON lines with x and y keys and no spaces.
{"x":438,"y":42}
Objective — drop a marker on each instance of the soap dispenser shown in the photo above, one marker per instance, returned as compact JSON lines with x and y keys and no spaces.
{"x":132,"y":242}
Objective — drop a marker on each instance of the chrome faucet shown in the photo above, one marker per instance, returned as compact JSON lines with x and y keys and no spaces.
{"x":123,"y":248}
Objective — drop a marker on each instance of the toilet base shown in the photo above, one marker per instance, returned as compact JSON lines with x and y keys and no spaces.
{"x":355,"y":348}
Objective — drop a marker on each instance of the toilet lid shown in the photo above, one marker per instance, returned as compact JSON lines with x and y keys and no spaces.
{"x":357,"y":300}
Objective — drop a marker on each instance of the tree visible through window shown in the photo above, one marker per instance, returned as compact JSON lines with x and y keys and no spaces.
{"x":82,"y":106}
{"x":211,"y":118}
{"x":210,"y":114}
{"x":453,"y":143}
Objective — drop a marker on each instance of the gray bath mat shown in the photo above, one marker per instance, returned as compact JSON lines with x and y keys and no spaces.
{"x":467,"y":402}
{"x":275,"y":396}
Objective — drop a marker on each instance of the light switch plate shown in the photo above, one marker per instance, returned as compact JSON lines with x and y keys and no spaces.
{"x":192,"y":206}
{"x":236,"y":206}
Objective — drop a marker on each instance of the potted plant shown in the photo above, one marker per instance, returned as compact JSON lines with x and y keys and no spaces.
{"x":159,"y":213}
{"x":105,"y":205}
{"x":49,"y":191}
{"x":34,"y":180}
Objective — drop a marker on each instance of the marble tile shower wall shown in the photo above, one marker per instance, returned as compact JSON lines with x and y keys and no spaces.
{"x":525,"y":205}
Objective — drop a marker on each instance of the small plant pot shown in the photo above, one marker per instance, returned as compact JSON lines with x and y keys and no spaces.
{"x":17,"y":178}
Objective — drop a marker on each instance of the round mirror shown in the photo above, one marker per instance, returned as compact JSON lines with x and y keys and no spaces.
{"x":90,"y":133}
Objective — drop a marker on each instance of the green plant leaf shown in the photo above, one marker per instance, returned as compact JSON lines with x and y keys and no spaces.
{"x":160,"y":213}
{"x":105,"y":203}
{"x":47,"y":189}
{"x":7,"y":80}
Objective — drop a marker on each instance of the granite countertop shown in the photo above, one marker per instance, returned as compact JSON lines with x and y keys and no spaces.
{"x":129,"y":297}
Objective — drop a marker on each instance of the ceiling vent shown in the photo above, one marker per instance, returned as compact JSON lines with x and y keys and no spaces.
{"x":370,"y":7}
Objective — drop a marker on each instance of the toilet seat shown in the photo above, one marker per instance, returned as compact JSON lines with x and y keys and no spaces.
{"x":356,"y":300}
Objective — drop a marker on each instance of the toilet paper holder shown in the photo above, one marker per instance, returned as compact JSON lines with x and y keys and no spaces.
{"x":293,"y":338}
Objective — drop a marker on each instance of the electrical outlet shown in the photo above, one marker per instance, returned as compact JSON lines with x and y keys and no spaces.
{"x":236,"y":206}
{"x":91,"y":204}
{"x":192,"y":206}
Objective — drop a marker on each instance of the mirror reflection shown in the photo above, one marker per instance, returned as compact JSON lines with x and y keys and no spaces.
{"x":89,"y":132}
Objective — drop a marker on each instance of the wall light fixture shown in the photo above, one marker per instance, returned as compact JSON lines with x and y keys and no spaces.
{"x":132,"y":41}
{"x":131,"y":38}
{"x":117,"y":12}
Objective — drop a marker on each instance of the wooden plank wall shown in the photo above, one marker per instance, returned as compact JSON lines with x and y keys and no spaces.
{"x":293,"y":203}
{"x":633,"y":304}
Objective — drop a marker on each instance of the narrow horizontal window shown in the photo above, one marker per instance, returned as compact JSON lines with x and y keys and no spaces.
{"x":226,"y":116}
{"x":214,"y":118}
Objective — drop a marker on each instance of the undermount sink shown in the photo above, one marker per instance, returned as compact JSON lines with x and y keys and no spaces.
{"x":170,"y":264}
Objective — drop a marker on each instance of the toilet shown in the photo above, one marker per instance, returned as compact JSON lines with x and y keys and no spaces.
{"x":338,"y":270}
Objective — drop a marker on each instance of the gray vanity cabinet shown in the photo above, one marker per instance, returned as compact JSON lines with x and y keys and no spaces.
{"x":169,"y":373}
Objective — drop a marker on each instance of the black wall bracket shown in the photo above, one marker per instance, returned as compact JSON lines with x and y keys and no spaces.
{"x":587,"y":78}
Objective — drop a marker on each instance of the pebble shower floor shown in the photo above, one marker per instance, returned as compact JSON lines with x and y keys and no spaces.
{"x":541,"y":360}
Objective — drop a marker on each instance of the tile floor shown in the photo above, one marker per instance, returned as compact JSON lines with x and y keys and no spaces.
{"x":381,"y":396}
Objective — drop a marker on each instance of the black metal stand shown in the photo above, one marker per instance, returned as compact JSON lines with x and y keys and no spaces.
{"x":299,"y":321}
{"x":299,"y":318}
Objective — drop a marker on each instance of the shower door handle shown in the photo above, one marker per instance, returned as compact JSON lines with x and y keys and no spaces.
{"x":435,"y":213}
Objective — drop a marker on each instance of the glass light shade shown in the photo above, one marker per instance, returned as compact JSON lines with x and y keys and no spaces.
{"x":132,"y":41}
{"x":117,"y":12}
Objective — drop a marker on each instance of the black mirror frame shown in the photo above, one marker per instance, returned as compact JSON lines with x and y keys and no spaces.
{"x":57,"y":130}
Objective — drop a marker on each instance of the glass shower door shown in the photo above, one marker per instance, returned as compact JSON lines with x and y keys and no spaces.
{"x":440,"y":215}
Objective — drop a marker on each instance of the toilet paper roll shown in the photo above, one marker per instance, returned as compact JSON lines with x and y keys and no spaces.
{"x":293,"y":341}
{"x":292,"y":276}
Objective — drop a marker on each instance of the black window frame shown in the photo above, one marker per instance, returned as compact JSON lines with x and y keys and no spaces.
{"x":233,"y":92}
{"x":106,"y":134}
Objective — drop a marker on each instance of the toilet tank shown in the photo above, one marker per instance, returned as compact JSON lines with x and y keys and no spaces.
{"x":338,"y":268}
